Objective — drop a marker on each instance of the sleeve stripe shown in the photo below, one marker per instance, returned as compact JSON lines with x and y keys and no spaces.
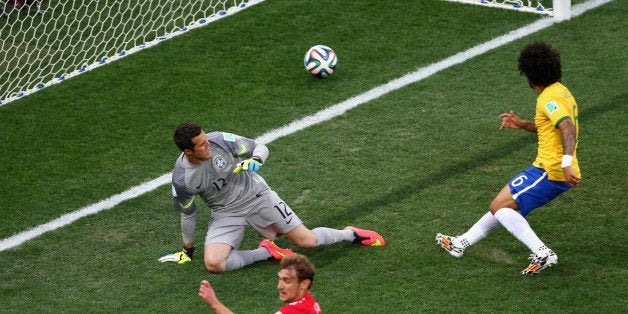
{"x":242,"y":150}
{"x":559,"y":121}
{"x":186,"y":206}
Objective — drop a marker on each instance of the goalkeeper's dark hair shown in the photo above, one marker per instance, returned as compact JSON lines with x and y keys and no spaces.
{"x":184,"y":133}
{"x":540,"y":64}
{"x":301,"y":265}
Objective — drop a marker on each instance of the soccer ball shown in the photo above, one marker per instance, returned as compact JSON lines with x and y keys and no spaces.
{"x":320,"y":61}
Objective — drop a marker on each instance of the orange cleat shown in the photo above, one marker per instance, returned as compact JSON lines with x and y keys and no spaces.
{"x":366,"y":237}
{"x":275,"y":251}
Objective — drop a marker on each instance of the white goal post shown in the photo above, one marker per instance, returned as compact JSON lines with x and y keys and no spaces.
{"x":559,"y":9}
{"x":43,"y":42}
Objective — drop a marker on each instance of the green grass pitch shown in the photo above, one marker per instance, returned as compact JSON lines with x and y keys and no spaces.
{"x":423,"y":159}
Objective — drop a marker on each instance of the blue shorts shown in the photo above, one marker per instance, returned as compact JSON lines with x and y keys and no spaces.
{"x":531,"y":189}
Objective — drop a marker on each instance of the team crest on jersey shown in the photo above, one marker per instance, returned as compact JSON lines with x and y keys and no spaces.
{"x":551,"y":106}
{"x":219,"y":162}
{"x":228,"y":137}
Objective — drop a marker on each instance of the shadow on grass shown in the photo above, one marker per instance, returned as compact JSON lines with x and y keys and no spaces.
{"x":426,"y":180}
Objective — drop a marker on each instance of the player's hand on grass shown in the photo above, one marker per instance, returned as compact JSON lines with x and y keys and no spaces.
{"x":249,"y":165}
{"x":183,"y":256}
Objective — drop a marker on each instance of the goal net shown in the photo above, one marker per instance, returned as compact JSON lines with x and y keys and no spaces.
{"x":559,"y":9}
{"x":45,"y":42}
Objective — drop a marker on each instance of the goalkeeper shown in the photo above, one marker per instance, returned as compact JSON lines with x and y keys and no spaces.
{"x":222,"y":168}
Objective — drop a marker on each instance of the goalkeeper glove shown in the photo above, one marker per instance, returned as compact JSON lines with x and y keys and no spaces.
{"x":183,"y":256}
{"x":250,"y":165}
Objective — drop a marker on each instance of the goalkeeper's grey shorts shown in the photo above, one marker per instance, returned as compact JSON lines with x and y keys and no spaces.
{"x":267,"y":213}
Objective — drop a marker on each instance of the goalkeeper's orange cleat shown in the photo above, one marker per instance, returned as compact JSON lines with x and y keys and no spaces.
{"x":275,"y":251}
{"x":366,"y":237}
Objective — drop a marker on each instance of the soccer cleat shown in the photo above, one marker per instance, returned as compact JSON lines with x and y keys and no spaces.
{"x":449,"y":244}
{"x":540,"y":260}
{"x":366,"y":237}
{"x":275,"y":251}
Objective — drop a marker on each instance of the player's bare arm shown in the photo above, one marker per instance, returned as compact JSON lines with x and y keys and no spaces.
{"x":510,"y":120}
{"x":206,"y":292}
{"x":568,"y":137}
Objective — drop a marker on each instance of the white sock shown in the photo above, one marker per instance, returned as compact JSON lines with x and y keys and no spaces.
{"x":518,"y":226}
{"x":479,"y":230}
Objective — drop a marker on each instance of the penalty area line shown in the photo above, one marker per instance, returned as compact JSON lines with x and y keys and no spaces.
{"x":298,"y":125}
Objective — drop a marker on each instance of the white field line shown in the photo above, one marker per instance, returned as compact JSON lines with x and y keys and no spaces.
{"x":321,"y":116}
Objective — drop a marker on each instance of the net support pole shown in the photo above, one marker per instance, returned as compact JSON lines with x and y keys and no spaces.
{"x":562,"y":9}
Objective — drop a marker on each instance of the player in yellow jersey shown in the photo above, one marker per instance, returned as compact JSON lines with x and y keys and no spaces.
{"x":554,"y":170}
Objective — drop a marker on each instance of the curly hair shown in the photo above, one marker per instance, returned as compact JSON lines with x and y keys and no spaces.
{"x":184,"y":133}
{"x":540,"y":64}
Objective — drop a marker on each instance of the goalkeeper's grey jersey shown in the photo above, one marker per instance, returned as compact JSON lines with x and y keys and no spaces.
{"x":214,"y":181}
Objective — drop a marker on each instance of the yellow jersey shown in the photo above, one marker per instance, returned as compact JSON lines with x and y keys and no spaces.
{"x":553,"y":105}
